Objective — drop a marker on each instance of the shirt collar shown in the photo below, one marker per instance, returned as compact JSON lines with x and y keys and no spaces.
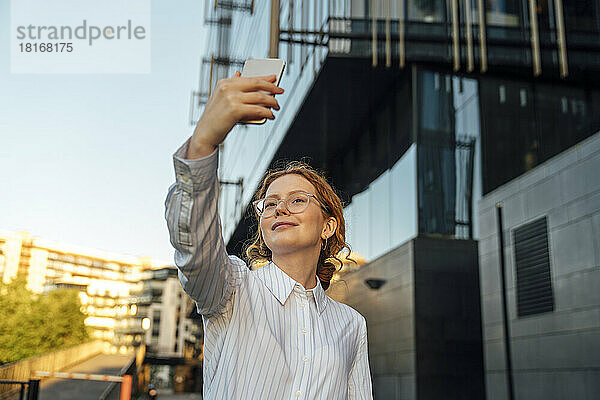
{"x":281,"y":285}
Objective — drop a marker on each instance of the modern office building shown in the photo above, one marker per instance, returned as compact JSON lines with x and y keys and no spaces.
{"x":432,"y":118}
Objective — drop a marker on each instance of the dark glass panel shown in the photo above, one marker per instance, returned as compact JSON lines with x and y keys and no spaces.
{"x":525,"y":124}
{"x":435,"y":154}
{"x":581,"y":15}
{"x":503,"y":12}
{"x":426,"y":10}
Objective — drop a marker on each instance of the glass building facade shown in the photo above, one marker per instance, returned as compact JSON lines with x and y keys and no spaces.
{"x":419,"y":112}
{"x":446,"y":129}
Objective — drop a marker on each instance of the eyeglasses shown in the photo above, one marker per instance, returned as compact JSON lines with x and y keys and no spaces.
{"x":294,"y":203}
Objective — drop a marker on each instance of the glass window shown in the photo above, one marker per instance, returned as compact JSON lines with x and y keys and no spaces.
{"x":437,"y":188}
{"x":581,"y":15}
{"x":446,"y":154}
{"x":503,"y":12}
{"x":426,"y":10}
{"x":509,"y":139}
{"x":525,"y":124}
{"x":379,"y":215}
{"x":436,"y":105}
{"x":435,"y":154}
{"x":384,"y":216}
{"x":561,"y":110}
{"x":467,"y":126}
{"x":360,"y":228}
{"x":403,"y":197}
{"x":155,"y":322}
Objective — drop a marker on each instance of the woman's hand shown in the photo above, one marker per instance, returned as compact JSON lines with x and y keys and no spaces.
{"x":233,"y":100}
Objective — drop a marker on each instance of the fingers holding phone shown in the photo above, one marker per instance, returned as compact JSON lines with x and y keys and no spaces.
{"x":237,"y":99}
{"x":259,"y":68}
{"x":242,"y":99}
{"x":260,"y":98}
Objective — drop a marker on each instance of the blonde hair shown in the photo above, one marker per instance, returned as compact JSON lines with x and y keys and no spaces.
{"x":257,"y":252}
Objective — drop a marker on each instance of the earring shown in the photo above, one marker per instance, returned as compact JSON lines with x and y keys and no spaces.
{"x":324,"y":247}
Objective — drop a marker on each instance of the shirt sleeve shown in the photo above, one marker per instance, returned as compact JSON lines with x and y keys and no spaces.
{"x":207,"y":274}
{"x":359,"y":380}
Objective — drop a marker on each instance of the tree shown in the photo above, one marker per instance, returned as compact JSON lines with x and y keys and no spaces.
{"x":36,"y":324}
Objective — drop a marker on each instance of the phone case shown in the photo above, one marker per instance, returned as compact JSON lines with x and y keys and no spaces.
{"x":262,"y":67}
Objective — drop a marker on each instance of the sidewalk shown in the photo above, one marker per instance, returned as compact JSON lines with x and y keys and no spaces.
{"x":74,"y":389}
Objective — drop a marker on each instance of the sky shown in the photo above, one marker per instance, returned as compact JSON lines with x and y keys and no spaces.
{"x":86,"y":159}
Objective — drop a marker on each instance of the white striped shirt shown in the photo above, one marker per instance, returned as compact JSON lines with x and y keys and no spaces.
{"x":265,"y":335}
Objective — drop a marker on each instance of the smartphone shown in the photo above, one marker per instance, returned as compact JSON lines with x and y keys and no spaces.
{"x":254,"y":67}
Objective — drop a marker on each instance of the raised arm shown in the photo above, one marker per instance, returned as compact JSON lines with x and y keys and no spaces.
{"x":206,"y":272}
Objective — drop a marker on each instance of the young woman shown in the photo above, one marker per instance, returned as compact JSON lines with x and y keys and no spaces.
{"x":270,"y":333}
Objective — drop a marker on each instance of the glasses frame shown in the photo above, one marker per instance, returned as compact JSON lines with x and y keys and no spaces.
{"x":309,"y":195}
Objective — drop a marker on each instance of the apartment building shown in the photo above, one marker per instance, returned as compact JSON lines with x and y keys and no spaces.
{"x":106,"y":281}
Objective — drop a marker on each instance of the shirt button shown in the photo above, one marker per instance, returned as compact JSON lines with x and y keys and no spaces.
{"x":303,"y":330}
{"x":298,"y":393}
{"x":302,"y":305}
{"x":304,"y":358}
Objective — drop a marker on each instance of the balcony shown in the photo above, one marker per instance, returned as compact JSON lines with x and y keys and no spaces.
{"x":458,"y":39}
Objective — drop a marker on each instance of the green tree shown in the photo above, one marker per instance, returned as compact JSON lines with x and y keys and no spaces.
{"x":33,"y":324}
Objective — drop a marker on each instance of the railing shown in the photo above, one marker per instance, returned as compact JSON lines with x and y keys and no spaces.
{"x":33,"y":388}
{"x":468,"y":35}
{"x":446,"y":187}
{"x":113,"y":391}
{"x":465,"y":33}
{"x":463,"y":46}
{"x":55,"y":361}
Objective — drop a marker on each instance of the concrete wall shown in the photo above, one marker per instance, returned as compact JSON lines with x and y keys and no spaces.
{"x":555,"y":355}
{"x":390,"y":319}
{"x":424,"y":326}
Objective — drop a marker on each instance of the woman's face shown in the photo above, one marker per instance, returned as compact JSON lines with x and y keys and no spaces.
{"x":299,"y":231}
